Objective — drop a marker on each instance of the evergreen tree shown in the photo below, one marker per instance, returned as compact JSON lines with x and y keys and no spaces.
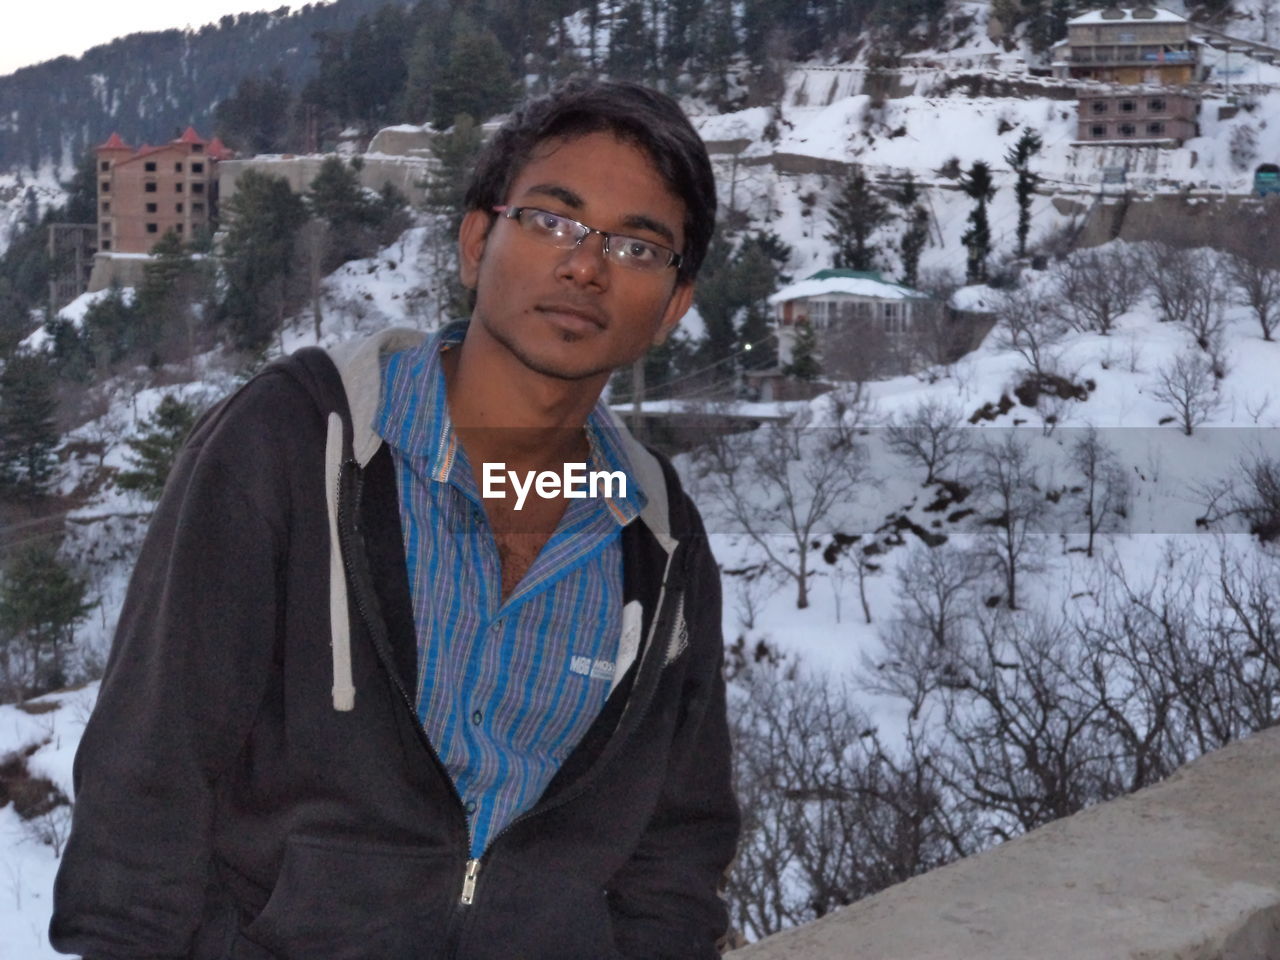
{"x":375,"y":66}
{"x":855,"y":215}
{"x":1019,"y":160}
{"x":41,"y":602}
{"x":477,"y":78}
{"x":337,"y":197}
{"x":155,"y":447}
{"x":631,"y":45}
{"x":916,"y":236}
{"x":265,"y":215}
{"x":718,"y":298}
{"x":978,"y":185}
{"x":455,"y":153}
{"x":423,"y":62}
{"x":804,"y":354}
{"x":255,"y":119}
{"x":168,"y":304}
{"x":27,"y":430}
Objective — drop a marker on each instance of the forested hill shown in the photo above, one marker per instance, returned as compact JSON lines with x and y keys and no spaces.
{"x":149,"y":85}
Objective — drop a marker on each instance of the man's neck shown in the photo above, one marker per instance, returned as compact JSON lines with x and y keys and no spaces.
{"x":503,"y":411}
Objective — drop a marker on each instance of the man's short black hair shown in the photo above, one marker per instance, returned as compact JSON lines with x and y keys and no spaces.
{"x":651,"y":120}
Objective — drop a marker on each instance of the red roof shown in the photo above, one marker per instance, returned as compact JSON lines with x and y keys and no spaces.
{"x":115,"y":143}
{"x":189,"y":136}
{"x":218,"y":150}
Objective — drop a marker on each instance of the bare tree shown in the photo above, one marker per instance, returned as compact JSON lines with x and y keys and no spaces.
{"x":932,"y":434}
{"x":1010,"y":483}
{"x":1094,"y":287}
{"x":1170,"y":272}
{"x":1187,"y":386}
{"x":936,"y":592}
{"x":1104,"y":494}
{"x":780,"y":484}
{"x":1205,"y":316}
{"x":315,"y":243}
{"x":1257,"y":286}
{"x":1032,"y":327}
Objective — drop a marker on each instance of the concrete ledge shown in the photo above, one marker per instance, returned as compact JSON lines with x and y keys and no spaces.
{"x":1186,"y":870}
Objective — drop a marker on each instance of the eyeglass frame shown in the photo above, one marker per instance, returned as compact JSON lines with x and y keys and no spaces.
{"x":509,"y":212}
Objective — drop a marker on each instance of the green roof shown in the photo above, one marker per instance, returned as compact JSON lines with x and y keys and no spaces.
{"x":834,"y":273}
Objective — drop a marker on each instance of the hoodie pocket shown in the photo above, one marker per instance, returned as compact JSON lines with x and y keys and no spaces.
{"x":347,"y":900}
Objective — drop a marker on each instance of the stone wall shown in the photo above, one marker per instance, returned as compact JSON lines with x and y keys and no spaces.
{"x":1186,"y":870}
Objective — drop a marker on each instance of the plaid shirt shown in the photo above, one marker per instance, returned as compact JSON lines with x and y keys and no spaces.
{"x":505,"y":688}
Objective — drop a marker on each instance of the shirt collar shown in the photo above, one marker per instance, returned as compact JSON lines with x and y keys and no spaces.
{"x":414,"y":418}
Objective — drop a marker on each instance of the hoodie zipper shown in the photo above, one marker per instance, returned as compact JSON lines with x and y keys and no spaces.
{"x":345,"y":531}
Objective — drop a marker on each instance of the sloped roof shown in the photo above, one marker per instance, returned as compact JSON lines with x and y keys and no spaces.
{"x":218,"y":150}
{"x":861,"y":283}
{"x":189,"y":135}
{"x":114,"y":143}
{"x":1096,"y":17}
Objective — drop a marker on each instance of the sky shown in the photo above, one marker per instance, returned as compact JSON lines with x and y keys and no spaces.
{"x":38,"y":31}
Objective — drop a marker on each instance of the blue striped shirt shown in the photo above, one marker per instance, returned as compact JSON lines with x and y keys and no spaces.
{"x":505,"y":688}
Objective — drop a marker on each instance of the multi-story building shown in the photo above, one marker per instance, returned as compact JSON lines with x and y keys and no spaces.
{"x":146,"y":192}
{"x":1140,"y":45}
{"x":1145,"y":115}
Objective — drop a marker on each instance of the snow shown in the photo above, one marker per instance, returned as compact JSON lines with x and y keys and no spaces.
{"x":855,"y":286}
{"x":1096,"y":16}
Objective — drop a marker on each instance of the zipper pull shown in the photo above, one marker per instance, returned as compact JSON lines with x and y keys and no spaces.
{"x":469,"y":882}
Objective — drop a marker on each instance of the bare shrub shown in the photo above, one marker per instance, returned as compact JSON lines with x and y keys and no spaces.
{"x":1104,"y":497}
{"x":1095,"y":287}
{"x":1257,"y":286}
{"x":1009,"y":480}
{"x":1187,"y":386}
{"x":1032,"y":327}
{"x":933,"y":434}
{"x":1170,"y":272}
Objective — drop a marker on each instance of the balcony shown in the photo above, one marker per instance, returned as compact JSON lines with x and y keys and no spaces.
{"x":1128,"y":56}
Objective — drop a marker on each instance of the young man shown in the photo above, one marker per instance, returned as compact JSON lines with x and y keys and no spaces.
{"x":376,"y":693}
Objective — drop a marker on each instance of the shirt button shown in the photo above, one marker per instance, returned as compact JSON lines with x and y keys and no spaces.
{"x":477,"y":717}
{"x":471,"y":806}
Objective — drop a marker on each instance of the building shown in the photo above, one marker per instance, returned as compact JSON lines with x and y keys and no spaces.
{"x":1141,"y":45}
{"x":865,"y":326}
{"x":1150,"y":116}
{"x":146,"y":192}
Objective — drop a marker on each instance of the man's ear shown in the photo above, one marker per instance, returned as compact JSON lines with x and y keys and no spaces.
{"x":677,"y":307}
{"x":471,"y":240}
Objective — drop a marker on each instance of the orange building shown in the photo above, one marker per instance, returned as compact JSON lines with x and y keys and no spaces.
{"x":144,"y":193}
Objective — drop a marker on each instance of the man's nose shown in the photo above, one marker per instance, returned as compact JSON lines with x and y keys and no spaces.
{"x":586,"y":262}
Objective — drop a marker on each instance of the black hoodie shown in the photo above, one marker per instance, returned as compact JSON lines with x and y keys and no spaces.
{"x":254,"y":782}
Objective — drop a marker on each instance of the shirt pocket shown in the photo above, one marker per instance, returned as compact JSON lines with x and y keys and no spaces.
{"x":351,"y":900}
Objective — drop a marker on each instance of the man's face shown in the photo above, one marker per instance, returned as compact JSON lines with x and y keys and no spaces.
{"x":574,"y":314}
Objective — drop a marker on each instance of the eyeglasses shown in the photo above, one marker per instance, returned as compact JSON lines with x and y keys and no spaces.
{"x":643,"y":256}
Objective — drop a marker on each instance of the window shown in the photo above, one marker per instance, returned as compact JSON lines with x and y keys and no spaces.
{"x":149,"y":166}
{"x":1156,"y":106}
{"x":197,"y":208}
{"x":178,"y":228}
{"x":104,"y":166}
{"x":177,"y":208}
{"x":1100,"y":106}
{"x":197,"y":188}
{"x":1128,"y":106}
{"x":106,"y":207}
{"x":151,"y":208}
{"x":106,"y":186}
{"x":152,"y":228}
{"x":150,"y":186}
{"x":894,"y":319}
{"x":197,"y":148}
{"x":1155,"y":129}
{"x":1126,"y":36}
{"x":197,"y":168}
{"x":1098,"y":130}
{"x":1127,"y":129}
{"x":106,"y":244}
{"x":177,"y":167}
{"x":106,"y":227}
{"x":177,"y":188}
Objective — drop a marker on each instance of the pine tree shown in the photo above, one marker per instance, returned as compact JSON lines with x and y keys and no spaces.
{"x":804,"y":354}
{"x":916,"y":236}
{"x":166,"y":303}
{"x":477,"y":78}
{"x":41,"y":602}
{"x":155,"y":447}
{"x":978,"y":185}
{"x":28,"y":433}
{"x":255,"y":119}
{"x":1019,"y":160}
{"x":854,"y":216}
{"x":631,"y":44}
{"x":265,"y":216}
{"x":336,"y":197}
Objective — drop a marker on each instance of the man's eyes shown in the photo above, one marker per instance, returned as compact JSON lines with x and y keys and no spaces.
{"x":551,"y":223}
{"x":634,"y":249}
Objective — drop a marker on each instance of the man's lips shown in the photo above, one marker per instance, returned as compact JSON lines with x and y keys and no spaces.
{"x":572,"y":311}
